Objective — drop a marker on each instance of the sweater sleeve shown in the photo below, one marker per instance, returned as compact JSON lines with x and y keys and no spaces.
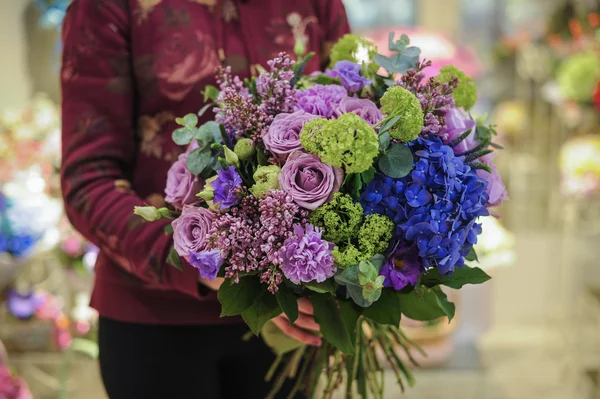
{"x":334,"y":23}
{"x":98,"y":146}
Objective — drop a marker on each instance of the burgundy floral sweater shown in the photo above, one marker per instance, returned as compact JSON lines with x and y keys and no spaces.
{"x":129,"y":68}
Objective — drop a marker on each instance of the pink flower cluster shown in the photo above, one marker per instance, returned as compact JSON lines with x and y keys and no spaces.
{"x":251,"y":234}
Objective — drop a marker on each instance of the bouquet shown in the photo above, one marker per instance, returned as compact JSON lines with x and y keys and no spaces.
{"x":359,"y":188}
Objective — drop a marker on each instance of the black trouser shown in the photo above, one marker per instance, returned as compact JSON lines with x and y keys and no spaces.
{"x":182,"y":362}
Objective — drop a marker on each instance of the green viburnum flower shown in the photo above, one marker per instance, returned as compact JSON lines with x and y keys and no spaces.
{"x":465,"y":94}
{"x":245,"y":149}
{"x":266,"y":178}
{"x":347,"y":142}
{"x":375,"y":234}
{"x":578,"y":76}
{"x":340,"y":218}
{"x":397,"y":101}
{"x":348,"y":256}
{"x":356,"y":49}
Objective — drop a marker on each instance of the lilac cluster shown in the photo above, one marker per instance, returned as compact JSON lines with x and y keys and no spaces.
{"x":435,"y":208}
{"x":240,"y":115}
{"x":250,"y":236}
{"x":320,"y":100}
{"x":275,"y":88}
{"x":435,"y":97}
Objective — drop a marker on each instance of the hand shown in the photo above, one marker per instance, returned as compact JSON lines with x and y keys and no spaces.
{"x":304,"y":322}
{"x":214,"y":284}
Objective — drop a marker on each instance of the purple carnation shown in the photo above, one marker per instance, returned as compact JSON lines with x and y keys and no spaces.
{"x":306,"y":256}
{"x":364,"y":108}
{"x":320,"y":100}
{"x":349,"y":74}
{"x":208,"y":263}
{"x":402,"y":268}
{"x":226,"y":181}
{"x":182,"y":186}
{"x":283,"y":136}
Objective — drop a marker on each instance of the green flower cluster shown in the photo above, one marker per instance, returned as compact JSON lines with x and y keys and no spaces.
{"x":347,"y":142}
{"x":342,"y":223}
{"x":349,"y":47}
{"x":340,"y":218}
{"x":397,"y":101}
{"x":266,"y":179}
{"x":578,"y":75}
{"x":465,"y":94}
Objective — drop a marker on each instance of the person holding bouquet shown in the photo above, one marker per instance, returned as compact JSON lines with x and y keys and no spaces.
{"x":129,"y":68}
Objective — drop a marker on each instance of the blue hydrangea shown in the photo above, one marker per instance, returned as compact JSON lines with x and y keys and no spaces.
{"x":435,"y":207}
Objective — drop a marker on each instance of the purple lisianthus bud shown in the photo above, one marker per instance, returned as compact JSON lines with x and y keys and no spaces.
{"x":456,"y":124}
{"x":306,"y":256}
{"x":309,"y":181}
{"x":208,"y":263}
{"x":402,"y":268}
{"x":283,"y":136}
{"x":349,"y":74}
{"x":364,"y":108}
{"x":319,"y":100}
{"x":495,"y":187}
{"x":190,"y":229}
{"x":226,"y":181}
{"x":182,"y":186}
{"x":23,"y":306}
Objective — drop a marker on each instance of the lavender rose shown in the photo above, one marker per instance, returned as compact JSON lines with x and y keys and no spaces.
{"x":309,"y":181}
{"x":349,"y":74}
{"x":190,"y":229}
{"x":182,"y":186}
{"x":364,"y":108}
{"x":306,"y":256}
{"x":283,"y":136}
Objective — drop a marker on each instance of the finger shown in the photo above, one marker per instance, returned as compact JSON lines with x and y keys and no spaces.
{"x":296,"y":333}
{"x":304,"y":306}
{"x":307,"y":322}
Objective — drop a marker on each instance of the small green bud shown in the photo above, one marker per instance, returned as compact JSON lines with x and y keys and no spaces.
{"x":148,"y":213}
{"x":266,"y":178}
{"x":231,"y":157}
{"x":299,"y":48}
{"x":245,"y":149}
{"x":216,"y":146}
{"x":206,"y":195}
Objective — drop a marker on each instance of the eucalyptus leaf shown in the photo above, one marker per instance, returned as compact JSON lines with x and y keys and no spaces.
{"x":333,"y":329}
{"x":378,"y":261}
{"x":183,"y":135}
{"x":384,"y":141}
{"x":348,"y":276}
{"x":397,"y":161}
{"x":383,"y":61}
{"x":205,"y":108}
{"x":235,"y":298}
{"x":366,"y":273}
{"x":355,"y":292}
{"x":371,"y":292}
{"x":411,"y":52}
{"x":198,"y":160}
{"x":210,"y":93}
{"x":190,"y":120}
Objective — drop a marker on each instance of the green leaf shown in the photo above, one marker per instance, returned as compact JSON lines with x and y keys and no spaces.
{"x":333,"y":329}
{"x":348,"y":276}
{"x":384,"y":141}
{"x":183,"y":135}
{"x":444,"y":304}
{"x":368,"y":175}
{"x":288,"y":303}
{"x":387,"y":309}
{"x":463,"y":276}
{"x":277,"y":340}
{"x":366,"y":273}
{"x":198,"y":160}
{"x":371,"y":292}
{"x":210,"y":93}
{"x":355,"y":292}
{"x":174,"y":260}
{"x":424,"y":304}
{"x":397,"y":162}
{"x":388,"y":124}
{"x":472,"y":256}
{"x":300,"y":66}
{"x":264,"y":308}
{"x":86,"y":347}
{"x":326,"y":80}
{"x":350,"y":313}
{"x":356,"y":184}
{"x":326,"y":287}
{"x":235,"y":297}
{"x":190,"y":120}
{"x":168,"y":229}
{"x":377,"y":261}
{"x":383,"y":61}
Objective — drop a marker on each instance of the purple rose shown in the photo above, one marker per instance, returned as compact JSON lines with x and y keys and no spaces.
{"x":320,"y":100}
{"x":456,"y":124}
{"x":190,"y":229}
{"x":182,"y":186}
{"x":364,"y":108}
{"x":283,"y":136}
{"x":309,"y":181}
{"x":495,"y":187}
{"x":403,"y":268}
{"x":306,"y":256}
{"x":349,"y":74}
{"x":226,"y":181}
{"x":208,"y":263}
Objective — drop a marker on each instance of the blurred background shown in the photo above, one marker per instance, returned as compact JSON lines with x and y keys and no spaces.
{"x":533,"y":331}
